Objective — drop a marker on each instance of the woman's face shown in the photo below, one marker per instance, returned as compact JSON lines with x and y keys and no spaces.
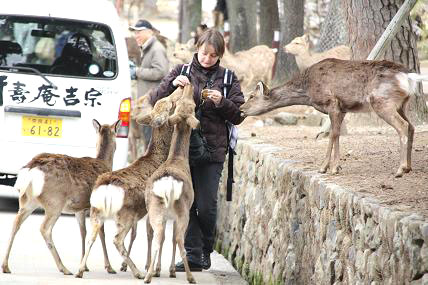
{"x":207,"y":56}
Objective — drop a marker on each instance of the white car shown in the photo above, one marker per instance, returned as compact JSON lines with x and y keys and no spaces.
{"x":62,"y":63}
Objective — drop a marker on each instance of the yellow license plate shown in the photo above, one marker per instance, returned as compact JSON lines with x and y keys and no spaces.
{"x":41,"y":127}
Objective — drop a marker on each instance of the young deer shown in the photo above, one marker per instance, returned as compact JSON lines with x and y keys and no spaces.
{"x":299,"y":47}
{"x":335,"y":87}
{"x":120,"y":194}
{"x":169,"y":190}
{"x":62,"y":184}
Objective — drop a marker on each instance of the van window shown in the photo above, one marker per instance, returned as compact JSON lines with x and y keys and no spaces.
{"x":57,"y":47}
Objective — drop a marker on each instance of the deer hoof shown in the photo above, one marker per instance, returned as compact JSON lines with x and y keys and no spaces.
{"x":139,"y":275}
{"x":79,"y":274}
{"x":6,"y":268}
{"x":322,"y":170}
{"x":86,"y":268}
{"x":124,"y":267}
{"x":172,"y":275}
{"x":148,"y":279}
{"x":110,"y":270}
{"x":157,"y":274}
{"x":335,"y":170}
{"x":191,"y":280}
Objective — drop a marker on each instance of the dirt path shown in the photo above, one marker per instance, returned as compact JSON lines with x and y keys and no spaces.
{"x":369,"y":160}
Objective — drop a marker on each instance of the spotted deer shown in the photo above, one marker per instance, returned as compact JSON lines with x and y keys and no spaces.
{"x":336,"y":87}
{"x":120,"y":194}
{"x":169,"y":192}
{"x":63,"y":184}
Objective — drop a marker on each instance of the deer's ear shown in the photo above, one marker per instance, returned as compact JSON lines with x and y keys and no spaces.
{"x":144,"y":119}
{"x":192,"y":122}
{"x":262,"y":88}
{"x":97,"y":125}
{"x":173,"y":119}
{"x":115,"y":127}
{"x":306,"y":38}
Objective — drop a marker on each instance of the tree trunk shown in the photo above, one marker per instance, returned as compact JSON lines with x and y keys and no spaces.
{"x":365,"y":22}
{"x":333,"y":29}
{"x":269,"y":21}
{"x":291,"y":22}
{"x":190,"y":18}
{"x":242,"y":20}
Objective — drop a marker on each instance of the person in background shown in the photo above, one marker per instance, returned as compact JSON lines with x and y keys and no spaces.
{"x":153,"y":68}
{"x":212,"y":112}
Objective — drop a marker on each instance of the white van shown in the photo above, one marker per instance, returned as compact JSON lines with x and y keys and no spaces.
{"x":62,"y":63}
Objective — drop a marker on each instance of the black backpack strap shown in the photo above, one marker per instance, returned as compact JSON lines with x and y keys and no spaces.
{"x":185,"y":69}
{"x":227,"y":81}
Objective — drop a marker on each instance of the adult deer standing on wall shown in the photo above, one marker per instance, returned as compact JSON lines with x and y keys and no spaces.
{"x":335,"y":87}
{"x":169,"y":190}
{"x":63,"y":184}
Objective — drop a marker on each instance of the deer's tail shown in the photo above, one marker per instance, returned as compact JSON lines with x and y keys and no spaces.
{"x":108,"y":199}
{"x":30,"y":182}
{"x":168,"y":188}
{"x":414,"y":79}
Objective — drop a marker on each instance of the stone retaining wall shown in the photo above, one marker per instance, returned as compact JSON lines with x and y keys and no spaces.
{"x":290,"y":226}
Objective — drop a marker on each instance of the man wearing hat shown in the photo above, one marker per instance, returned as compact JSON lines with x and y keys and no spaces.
{"x":154,"y":64}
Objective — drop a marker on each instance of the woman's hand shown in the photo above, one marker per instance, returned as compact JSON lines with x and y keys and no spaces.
{"x":181,"y":80}
{"x":215,"y":96}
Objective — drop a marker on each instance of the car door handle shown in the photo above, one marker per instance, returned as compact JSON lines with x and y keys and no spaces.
{"x":43,"y":111}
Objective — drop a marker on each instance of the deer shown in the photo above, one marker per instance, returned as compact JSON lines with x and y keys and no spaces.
{"x":120,"y":194}
{"x":299,"y":47}
{"x":169,"y":191}
{"x":336,"y":87}
{"x":250,"y":66}
{"x":62,"y":184}
{"x":136,"y":135}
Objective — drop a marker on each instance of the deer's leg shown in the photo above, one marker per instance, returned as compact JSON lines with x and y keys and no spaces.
{"x":335,"y":134}
{"x":174,"y":245}
{"x":96,"y":223}
{"x":51,"y":216}
{"x":158,"y":265}
{"x":21,"y":216}
{"x":107,"y":264}
{"x":131,"y":242}
{"x":149,"y":231}
{"x":123,"y":226}
{"x":390,"y":115}
{"x":411,"y":133}
{"x":182,"y":223}
{"x":80,"y":217}
{"x":158,"y":225}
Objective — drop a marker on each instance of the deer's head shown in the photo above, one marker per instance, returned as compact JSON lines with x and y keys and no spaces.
{"x":142,"y":106}
{"x":161,"y":111}
{"x":258,"y":101}
{"x":298,"y":45}
{"x":183,"y":52}
{"x":185,"y":109}
{"x":106,"y":135}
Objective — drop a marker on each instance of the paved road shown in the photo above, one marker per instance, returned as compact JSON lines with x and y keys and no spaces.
{"x":32,"y":263}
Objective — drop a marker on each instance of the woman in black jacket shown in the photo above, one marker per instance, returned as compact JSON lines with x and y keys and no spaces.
{"x":206,"y":73}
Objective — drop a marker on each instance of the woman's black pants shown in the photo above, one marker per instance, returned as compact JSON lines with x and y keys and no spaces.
{"x":203,"y":214}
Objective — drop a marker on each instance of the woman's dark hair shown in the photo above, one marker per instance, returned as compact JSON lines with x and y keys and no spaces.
{"x":214,"y":38}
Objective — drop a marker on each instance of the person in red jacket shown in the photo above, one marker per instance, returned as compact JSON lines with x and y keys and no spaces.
{"x":206,"y":73}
